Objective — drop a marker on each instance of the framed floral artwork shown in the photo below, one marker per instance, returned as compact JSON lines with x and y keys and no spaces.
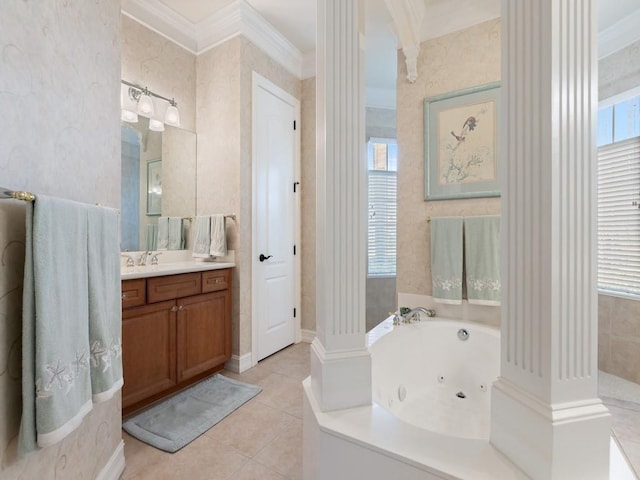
{"x":461,"y":144}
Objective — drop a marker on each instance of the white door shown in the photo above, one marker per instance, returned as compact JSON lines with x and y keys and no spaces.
{"x":274,"y":216}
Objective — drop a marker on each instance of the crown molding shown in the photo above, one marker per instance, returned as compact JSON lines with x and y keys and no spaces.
{"x":237,"y":18}
{"x":619,"y":35}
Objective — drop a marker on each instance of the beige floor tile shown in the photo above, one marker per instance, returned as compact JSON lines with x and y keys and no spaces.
{"x":284,"y":454}
{"x":255,"y":471}
{"x":283,"y":393}
{"x":202,"y":459}
{"x":626,"y":424}
{"x":138,"y":456}
{"x":253,"y":375}
{"x":294,"y":363}
{"x":251,"y":427}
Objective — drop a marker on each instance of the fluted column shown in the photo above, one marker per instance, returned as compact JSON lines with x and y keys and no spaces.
{"x":546,"y":414}
{"x":340,"y":362}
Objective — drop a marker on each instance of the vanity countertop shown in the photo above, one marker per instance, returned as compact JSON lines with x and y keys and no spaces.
{"x":172,"y":268}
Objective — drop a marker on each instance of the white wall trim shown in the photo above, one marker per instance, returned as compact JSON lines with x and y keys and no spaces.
{"x":237,"y":18}
{"x":619,"y":35}
{"x":307,"y":336}
{"x":239,"y":363}
{"x":114,"y":466}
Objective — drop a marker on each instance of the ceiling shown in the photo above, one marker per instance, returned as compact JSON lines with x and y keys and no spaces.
{"x":295,"y":20}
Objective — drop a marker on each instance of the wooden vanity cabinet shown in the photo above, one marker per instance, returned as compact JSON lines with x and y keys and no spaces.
{"x":178,"y":337}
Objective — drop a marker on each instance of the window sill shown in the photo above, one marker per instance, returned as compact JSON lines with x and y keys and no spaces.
{"x":627,"y":296}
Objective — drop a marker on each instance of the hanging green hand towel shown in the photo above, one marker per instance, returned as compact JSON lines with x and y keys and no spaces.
{"x":446,"y":259}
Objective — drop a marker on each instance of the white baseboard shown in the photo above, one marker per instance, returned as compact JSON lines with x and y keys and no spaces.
{"x":307,"y":335}
{"x":115,"y":466}
{"x":239,"y":364}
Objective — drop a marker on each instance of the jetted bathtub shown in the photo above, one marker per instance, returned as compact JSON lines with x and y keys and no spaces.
{"x":437,"y":374}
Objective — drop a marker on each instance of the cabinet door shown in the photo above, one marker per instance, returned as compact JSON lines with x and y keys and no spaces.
{"x":204,"y":333}
{"x":149,"y":351}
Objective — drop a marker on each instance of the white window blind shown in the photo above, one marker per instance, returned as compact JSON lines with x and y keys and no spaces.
{"x":382,"y":222}
{"x":619,"y":217}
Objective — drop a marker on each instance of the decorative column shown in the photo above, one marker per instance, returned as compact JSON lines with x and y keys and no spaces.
{"x":546,"y":414}
{"x":340,"y":361}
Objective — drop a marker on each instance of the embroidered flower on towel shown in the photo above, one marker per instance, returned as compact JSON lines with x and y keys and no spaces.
{"x":447,"y":284}
{"x":483,"y":284}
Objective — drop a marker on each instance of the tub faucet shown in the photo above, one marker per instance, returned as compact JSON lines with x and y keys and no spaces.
{"x":414,"y":314}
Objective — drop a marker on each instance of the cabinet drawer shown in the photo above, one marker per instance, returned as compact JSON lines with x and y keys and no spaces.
{"x":173,"y":286}
{"x":134,"y":293}
{"x":215,"y":280}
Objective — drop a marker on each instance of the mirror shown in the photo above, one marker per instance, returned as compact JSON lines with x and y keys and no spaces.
{"x":158,"y":179}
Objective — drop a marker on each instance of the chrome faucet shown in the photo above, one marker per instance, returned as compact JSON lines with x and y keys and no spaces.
{"x":142,"y":260}
{"x":413,"y":315}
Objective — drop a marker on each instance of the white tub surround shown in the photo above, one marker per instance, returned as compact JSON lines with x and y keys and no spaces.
{"x":546,"y":414}
{"x":340,"y":361}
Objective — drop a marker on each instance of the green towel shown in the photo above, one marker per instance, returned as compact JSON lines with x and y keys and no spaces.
{"x":71,"y":347}
{"x":105,"y":311}
{"x":176,"y":234}
{"x":446,"y":259}
{"x":482,"y":252}
{"x":56,"y":386}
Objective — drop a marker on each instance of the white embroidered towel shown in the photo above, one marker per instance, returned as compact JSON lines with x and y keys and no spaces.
{"x":202,"y":238}
{"x":163,"y":233}
{"x":482,"y":259}
{"x":105,"y":311}
{"x":218,"y":247}
{"x":56,"y":384}
{"x":446,"y":259}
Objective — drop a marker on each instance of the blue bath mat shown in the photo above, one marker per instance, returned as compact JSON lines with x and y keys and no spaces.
{"x":180,"y":419}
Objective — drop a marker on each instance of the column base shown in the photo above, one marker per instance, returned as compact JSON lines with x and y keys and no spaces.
{"x":554,"y":442}
{"x":340,"y":379}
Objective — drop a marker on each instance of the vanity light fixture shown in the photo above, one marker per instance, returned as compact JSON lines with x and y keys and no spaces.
{"x":172,"y":115}
{"x":145,"y":104}
{"x":142,"y":101}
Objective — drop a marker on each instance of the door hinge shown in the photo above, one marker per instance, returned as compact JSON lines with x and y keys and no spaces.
{"x":294,"y":313}
{"x":294,"y":124}
{"x":294,"y":249}
{"x":295,"y":187}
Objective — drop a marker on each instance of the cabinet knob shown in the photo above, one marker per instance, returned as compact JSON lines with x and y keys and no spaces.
{"x":124,"y":296}
{"x":174,"y":309}
{"x":180,"y":308}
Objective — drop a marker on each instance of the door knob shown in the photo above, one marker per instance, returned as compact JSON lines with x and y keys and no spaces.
{"x":262,"y":257}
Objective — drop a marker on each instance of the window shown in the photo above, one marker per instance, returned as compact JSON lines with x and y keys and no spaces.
{"x":382,"y":159}
{"x":619,"y":197}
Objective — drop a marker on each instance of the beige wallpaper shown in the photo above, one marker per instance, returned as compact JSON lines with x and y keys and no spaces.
{"x":59,"y":135}
{"x":619,"y":71}
{"x":224,"y":89}
{"x":460,"y":60}
{"x":150,"y":60}
{"x":308,"y":214}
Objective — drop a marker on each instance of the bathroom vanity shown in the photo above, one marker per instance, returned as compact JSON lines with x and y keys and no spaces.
{"x":176,"y":330}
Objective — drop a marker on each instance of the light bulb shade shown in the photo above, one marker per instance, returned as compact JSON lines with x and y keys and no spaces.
{"x":172,"y":116}
{"x":156,"y":125}
{"x":128,"y":116}
{"x":145,"y":105}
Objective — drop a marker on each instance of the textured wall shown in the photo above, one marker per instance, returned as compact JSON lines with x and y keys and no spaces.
{"x":224,"y":90}
{"x":619,"y":71}
{"x":308,"y":190}
{"x":150,"y":60}
{"x":59,"y":135}
{"x":457,"y":61}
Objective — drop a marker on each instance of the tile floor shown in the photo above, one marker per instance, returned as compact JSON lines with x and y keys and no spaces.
{"x":261,"y":440}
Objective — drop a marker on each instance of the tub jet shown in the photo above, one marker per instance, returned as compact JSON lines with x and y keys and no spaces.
{"x":461,"y":395}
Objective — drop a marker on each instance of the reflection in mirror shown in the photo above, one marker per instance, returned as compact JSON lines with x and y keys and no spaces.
{"x":158,"y":181}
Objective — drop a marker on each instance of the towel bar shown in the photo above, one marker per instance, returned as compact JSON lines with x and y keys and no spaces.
{"x":18,"y":195}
